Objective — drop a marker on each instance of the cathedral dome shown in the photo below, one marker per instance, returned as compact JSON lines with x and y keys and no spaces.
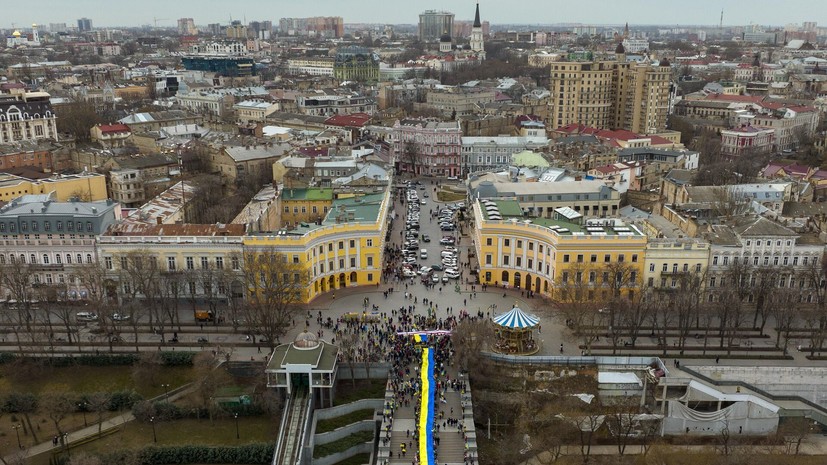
{"x":444,"y":37}
{"x":16,"y":34}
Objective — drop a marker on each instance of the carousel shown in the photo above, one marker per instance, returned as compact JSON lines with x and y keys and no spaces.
{"x":515,"y":333}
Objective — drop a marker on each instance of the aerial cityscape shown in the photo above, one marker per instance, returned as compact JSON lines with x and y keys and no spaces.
{"x":215,"y":247}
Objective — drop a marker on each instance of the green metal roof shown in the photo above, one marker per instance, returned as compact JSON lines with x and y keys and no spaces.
{"x":307,"y":194}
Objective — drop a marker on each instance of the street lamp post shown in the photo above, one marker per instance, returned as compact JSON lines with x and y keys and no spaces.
{"x":166,"y":391}
{"x":154,"y":436}
{"x":66,"y":442}
{"x":16,"y":429}
{"x":82,"y":408}
{"x":236,"y":426}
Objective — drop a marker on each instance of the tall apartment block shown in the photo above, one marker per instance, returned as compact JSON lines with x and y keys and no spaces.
{"x":611,"y":94}
{"x":433,"y":24}
{"x":84,"y":25}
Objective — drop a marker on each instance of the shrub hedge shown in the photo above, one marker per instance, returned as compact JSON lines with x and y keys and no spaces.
{"x":170,"y":359}
{"x":155,"y":455}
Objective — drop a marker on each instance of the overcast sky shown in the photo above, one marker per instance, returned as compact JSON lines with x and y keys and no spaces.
{"x":667,"y":12}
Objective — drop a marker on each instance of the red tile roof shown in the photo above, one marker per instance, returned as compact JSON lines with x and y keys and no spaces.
{"x":113,"y":128}
{"x":353,"y":120}
{"x":658,"y":140}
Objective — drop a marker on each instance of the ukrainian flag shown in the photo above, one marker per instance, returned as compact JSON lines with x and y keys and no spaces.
{"x":426,"y":409}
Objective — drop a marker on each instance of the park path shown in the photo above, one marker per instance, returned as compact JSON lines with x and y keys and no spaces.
{"x":92,"y":430}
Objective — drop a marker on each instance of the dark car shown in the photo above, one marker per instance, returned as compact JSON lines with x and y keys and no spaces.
{"x":426,"y":238}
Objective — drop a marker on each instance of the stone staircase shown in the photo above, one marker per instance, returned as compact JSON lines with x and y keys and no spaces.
{"x":452,"y":446}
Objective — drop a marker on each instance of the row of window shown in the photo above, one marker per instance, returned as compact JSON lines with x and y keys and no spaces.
{"x":172,"y":264}
{"x":330,"y":263}
{"x":339,"y":246}
{"x":665,"y":268}
{"x":619,"y":278}
{"x":607,"y":258}
{"x":47,"y":226}
{"x":756,"y":260}
{"x":313,"y":209}
{"x":46,"y":259}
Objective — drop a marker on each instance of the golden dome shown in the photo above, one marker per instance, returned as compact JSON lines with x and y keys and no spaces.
{"x":16,"y":34}
{"x":34,"y":25}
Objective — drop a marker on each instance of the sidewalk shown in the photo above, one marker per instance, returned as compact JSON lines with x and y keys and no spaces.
{"x":92,"y":430}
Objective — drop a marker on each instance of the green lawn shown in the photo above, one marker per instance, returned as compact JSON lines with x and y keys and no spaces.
{"x":329,"y":424}
{"x":346,"y":392}
{"x":87,"y":379}
{"x":447,"y":196}
{"x":342,"y":444}
{"x":135,"y":435}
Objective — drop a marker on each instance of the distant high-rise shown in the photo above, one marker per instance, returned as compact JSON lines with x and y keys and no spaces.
{"x":84,"y":25}
{"x":186,"y":27}
{"x":318,"y":26}
{"x":236,"y":30}
{"x":432,"y":24}
{"x":57,"y":27}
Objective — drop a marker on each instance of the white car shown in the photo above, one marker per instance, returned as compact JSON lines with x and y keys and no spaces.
{"x":408,"y":273}
{"x":449,"y":249}
{"x":447,"y":253}
{"x":425,"y":270}
{"x":86,"y":316}
{"x":410,"y":259}
{"x":453,"y":274}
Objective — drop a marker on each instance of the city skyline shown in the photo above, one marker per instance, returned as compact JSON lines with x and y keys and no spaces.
{"x":595,"y":12}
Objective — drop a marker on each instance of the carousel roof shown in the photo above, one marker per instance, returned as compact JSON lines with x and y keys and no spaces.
{"x":516,"y":319}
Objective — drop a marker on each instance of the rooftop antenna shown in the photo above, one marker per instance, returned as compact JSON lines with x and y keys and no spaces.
{"x":721,"y":24}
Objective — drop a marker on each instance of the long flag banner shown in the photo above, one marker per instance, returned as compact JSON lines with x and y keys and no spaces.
{"x":426,"y":409}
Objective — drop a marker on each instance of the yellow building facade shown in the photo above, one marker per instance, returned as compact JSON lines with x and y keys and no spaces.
{"x":550,"y":257}
{"x":347,"y":250}
{"x":306,"y":205}
{"x":667,"y":260}
{"x":89,"y":187}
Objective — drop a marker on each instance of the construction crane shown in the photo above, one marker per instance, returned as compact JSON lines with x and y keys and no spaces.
{"x":159,"y":19}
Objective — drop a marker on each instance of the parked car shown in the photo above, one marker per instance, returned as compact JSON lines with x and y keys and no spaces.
{"x":86,"y":316}
{"x":426,"y":238}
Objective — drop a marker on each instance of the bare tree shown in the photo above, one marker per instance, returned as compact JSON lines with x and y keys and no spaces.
{"x":275,"y":285}
{"x":731,"y":317}
{"x":139,"y":271}
{"x":579,"y":302}
{"x":17,"y":277}
{"x":621,"y":421}
{"x":785,"y":303}
{"x":411,"y":152}
{"x":728,"y":201}
{"x":209,"y":378}
{"x":661,"y":315}
{"x":634,"y":315}
{"x":816,"y":331}
{"x":764,"y":283}
{"x":349,"y":352}
{"x":688,"y":295}
{"x":793,"y":431}
{"x":469,"y":338}
{"x":99,"y":403}
{"x":58,"y":403}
